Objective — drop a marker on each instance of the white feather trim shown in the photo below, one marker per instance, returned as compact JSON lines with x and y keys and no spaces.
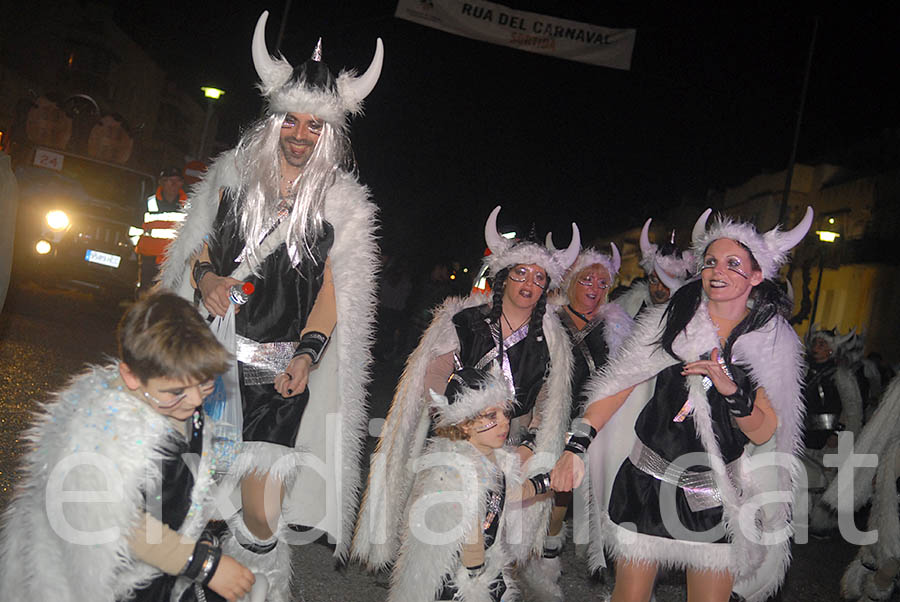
{"x":335,"y":422}
{"x":636,"y":297}
{"x":494,"y":392}
{"x":376,"y":540}
{"x":528,"y":253}
{"x":91,"y":423}
{"x":446,"y":506}
{"x":774,"y":357}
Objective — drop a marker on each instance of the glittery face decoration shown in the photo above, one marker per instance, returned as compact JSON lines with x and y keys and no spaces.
{"x":521,"y":273}
{"x":486,"y":426}
{"x":593,"y":280}
{"x":179,"y":394}
{"x":733,"y":263}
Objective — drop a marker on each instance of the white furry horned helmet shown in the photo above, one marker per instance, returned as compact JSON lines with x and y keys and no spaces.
{"x":311,"y":88}
{"x":591,"y":256}
{"x":506,"y":253}
{"x":839,"y":343}
{"x":770,"y":249}
{"x":673,"y":267}
{"x":470,"y":392}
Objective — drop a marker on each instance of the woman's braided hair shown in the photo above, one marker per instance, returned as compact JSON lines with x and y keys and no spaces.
{"x":535,"y":324}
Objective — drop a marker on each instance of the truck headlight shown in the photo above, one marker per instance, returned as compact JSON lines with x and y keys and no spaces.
{"x":57,"y":220}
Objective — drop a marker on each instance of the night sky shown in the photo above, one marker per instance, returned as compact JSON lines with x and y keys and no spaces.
{"x":457,"y":126}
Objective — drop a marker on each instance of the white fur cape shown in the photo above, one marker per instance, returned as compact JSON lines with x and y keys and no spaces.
{"x":403,"y":436}
{"x":447,"y":504}
{"x":774,"y":357}
{"x":880,"y":432}
{"x":637,"y":295}
{"x":104,"y":443}
{"x":334,"y":425}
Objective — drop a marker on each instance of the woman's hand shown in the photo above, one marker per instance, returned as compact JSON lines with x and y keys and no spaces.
{"x":568,"y":472}
{"x":715,"y":370}
{"x":293,"y":380}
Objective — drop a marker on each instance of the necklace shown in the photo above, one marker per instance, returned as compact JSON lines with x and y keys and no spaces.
{"x":511,"y":329}
{"x":578,"y":313}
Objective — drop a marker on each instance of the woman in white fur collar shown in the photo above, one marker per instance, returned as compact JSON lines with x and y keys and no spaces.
{"x":713,"y":373}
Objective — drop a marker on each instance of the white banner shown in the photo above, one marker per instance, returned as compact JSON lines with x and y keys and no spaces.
{"x":533,"y":32}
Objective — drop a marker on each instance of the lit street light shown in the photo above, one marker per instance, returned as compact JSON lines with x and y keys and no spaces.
{"x":212,"y":95}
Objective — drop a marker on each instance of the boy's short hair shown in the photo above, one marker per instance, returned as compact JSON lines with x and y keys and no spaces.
{"x":162,"y":335}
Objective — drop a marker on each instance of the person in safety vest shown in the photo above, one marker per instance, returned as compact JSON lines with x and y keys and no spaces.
{"x":165,"y":210}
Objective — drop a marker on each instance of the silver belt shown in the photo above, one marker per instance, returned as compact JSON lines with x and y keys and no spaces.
{"x":822,"y":422}
{"x":263,"y":361}
{"x":700,"y":488}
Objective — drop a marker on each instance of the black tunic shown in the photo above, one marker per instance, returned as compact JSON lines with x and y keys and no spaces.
{"x":174,"y":495}
{"x":589,"y":352}
{"x":529,"y":360}
{"x":276,"y":311}
{"x":495,"y":502}
{"x":635,"y":496}
{"x":821,"y":396}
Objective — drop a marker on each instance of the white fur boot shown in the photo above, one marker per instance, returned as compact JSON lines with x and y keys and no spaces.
{"x":857,"y":573}
{"x":541,"y":575}
{"x":269,"y":560}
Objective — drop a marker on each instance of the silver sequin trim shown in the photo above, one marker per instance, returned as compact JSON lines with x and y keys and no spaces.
{"x":821,"y":422}
{"x":699,"y":488}
{"x":263,"y":361}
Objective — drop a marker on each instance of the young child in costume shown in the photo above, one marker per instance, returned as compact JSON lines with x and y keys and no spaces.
{"x":460,"y":514}
{"x":118,"y":478}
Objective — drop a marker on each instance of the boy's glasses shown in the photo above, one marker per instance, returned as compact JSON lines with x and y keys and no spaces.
{"x":180,"y":395}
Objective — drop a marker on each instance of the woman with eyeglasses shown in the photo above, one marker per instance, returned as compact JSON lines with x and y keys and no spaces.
{"x":596,"y":330}
{"x":511,"y":329}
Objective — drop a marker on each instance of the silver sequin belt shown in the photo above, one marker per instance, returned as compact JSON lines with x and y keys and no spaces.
{"x":263,"y":361}
{"x":700,"y":488}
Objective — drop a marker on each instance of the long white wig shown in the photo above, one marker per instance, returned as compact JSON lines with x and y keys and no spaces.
{"x":258,"y":158}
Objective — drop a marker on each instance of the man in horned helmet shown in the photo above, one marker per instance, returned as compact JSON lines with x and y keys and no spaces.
{"x":667,"y":269}
{"x":284,"y":211}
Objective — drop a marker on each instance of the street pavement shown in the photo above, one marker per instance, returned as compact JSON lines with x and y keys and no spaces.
{"x":49,"y":335}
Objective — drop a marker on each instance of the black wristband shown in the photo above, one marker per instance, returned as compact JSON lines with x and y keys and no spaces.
{"x":740,"y":403}
{"x":475,"y":571}
{"x":541,"y":483}
{"x":580,"y":437}
{"x":528,"y":439}
{"x":199,"y":270}
{"x":313,"y":344}
{"x":210,"y":565}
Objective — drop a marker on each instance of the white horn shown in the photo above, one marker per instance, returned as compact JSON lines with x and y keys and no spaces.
{"x":359,"y":87}
{"x":672,"y":283}
{"x":548,"y":242}
{"x":700,"y":226}
{"x":790,"y":239}
{"x":271,"y":73}
{"x":616,"y":261}
{"x":495,"y":242}
{"x":568,"y":257}
{"x":645,"y":238}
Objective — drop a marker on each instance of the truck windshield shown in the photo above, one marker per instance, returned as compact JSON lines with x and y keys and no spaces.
{"x":85,"y":180}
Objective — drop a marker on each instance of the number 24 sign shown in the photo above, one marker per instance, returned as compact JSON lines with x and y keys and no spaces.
{"x":48,"y":159}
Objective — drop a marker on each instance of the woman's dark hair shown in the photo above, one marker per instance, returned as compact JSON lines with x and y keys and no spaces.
{"x":766,"y":300}
{"x":535,"y":325}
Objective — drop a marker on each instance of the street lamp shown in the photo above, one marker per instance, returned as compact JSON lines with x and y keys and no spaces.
{"x":826,"y":236}
{"x":212,"y":95}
